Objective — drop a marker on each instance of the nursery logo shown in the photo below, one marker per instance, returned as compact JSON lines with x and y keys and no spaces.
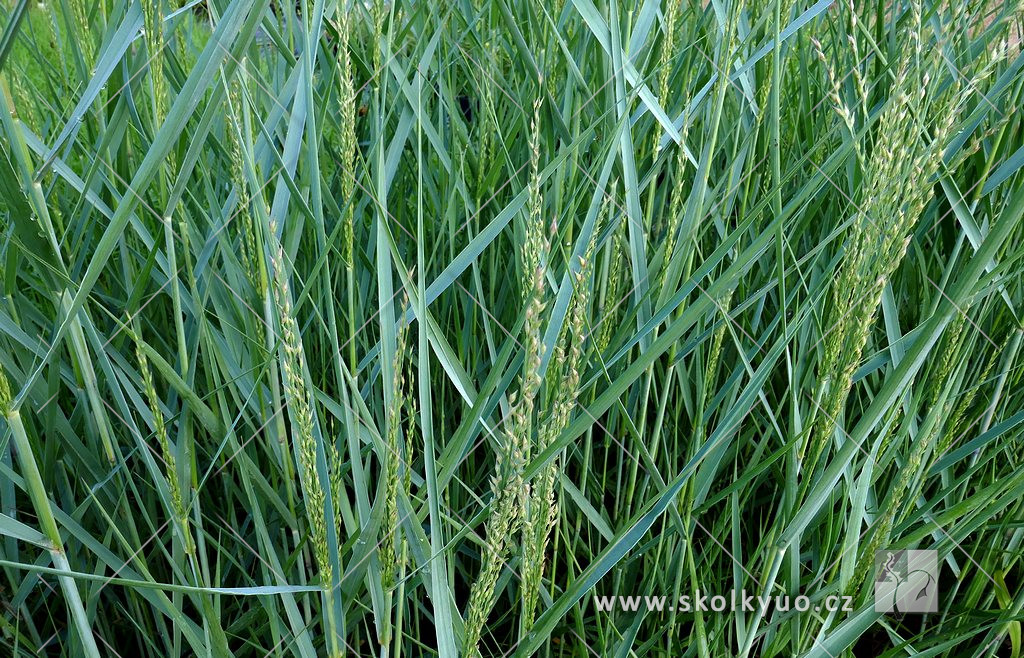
{"x":906,"y":581}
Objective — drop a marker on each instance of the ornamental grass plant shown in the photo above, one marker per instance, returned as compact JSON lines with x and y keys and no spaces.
{"x":415,"y":328}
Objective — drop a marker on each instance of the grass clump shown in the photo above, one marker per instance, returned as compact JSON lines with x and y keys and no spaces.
{"x":400,"y":328}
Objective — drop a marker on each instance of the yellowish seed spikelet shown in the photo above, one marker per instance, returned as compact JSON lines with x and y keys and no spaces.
{"x":153,"y":24}
{"x":536,"y":245}
{"x":896,"y":190}
{"x":380,"y":15}
{"x":716,"y":342}
{"x":954,"y":427}
{"x":247,"y":229}
{"x":943,"y":419}
{"x":23,"y":108}
{"x":393,"y":459}
{"x":300,"y":413}
{"x":504,"y":521}
{"x":160,"y":429}
{"x":79,"y":13}
{"x":336,"y":466}
{"x":510,"y":492}
{"x":488,"y":110}
{"x":858,"y":75}
{"x":347,"y":98}
{"x":614,"y":253}
{"x":838,"y":104}
{"x":541,"y":512}
{"x":676,"y":207}
{"x":5,"y":394}
{"x":668,"y":51}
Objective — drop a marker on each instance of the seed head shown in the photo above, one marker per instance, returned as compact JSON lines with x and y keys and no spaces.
{"x":301,"y":415}
{"x":5,"y":394}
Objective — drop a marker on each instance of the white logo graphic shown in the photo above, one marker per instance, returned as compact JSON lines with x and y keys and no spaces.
{"x":906,"y":581}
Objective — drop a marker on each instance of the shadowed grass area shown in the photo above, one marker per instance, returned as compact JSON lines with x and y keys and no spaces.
{"x":422,"y":328}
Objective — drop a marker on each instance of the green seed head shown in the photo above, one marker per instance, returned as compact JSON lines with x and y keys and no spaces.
{"x":5,"y":394}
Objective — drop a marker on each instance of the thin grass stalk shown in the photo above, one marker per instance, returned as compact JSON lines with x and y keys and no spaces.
{"x":257,"y":211}
{"x":154,"y":28}
{"x":488,"y":109}
{"x":80,"y":349}
{"x":44,"y":514}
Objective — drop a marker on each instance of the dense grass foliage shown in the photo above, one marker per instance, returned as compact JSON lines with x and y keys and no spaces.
{"x":407,"y":328}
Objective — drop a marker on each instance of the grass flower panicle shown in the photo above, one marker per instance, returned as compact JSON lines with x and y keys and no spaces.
{"x":541,"y":511}
{"x":396,"y":476}
{"x":896,"y":190}
{"x":300,"y":412}
{"x":347,"y":158}
{"x":166,"y":451}
{"x":509,"y":491}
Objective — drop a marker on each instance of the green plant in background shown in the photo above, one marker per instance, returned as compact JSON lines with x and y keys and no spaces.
{"x":409,"y":328}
